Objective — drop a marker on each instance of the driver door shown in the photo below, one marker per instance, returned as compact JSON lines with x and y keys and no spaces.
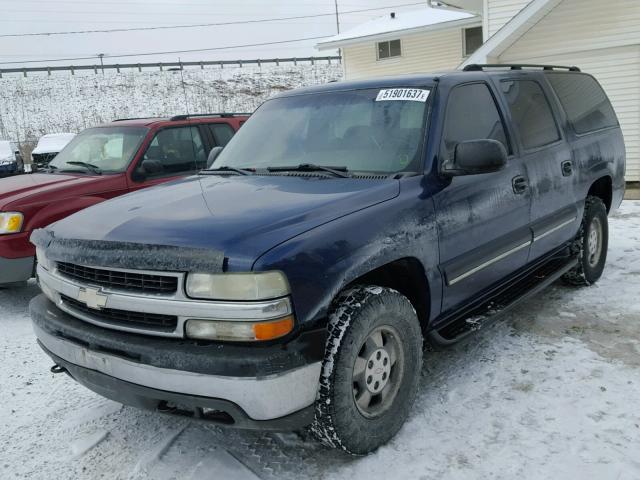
{"x":176,"y":152}
{"x":483,"y":220}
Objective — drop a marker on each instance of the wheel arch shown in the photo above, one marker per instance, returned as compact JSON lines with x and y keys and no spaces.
{"x":603,"y":189}
{"x":406,"y":275}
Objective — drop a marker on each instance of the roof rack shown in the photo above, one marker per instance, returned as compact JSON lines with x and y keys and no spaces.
{"x":221,"y":115}
{"x":132,"y":118}
{"x":474,"y":67}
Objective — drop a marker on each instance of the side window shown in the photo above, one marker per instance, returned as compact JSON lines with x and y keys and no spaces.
{"x":390,"y":49}
{"x":531,"y":113}
{"x":179,"y":150}
{"x":587,"y":106}
{"x":472,"y":40}
{"x":471,"y":115}
{"x":222,"y":133}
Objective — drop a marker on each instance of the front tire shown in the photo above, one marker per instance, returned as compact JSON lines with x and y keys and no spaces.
{"x":371,"y":369}
{"x":591,"y":244}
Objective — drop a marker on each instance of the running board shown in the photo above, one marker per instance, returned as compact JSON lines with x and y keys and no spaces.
{"x":463,"y":323}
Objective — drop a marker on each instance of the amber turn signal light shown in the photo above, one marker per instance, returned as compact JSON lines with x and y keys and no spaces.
{"x":274,"y":329}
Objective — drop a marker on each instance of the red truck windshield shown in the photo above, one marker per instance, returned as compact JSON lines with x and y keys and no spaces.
{"x":109,"y":149}
{"x":373,"y":130}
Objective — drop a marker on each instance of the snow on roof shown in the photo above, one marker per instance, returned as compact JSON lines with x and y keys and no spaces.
{"x":405,"y":22}
{"x":5,"y":150}
{"x":53,"y":142}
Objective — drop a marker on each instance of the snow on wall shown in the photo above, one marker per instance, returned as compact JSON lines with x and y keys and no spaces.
{"x":39,"y":104}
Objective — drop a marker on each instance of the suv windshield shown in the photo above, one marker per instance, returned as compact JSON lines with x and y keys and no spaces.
{"x":103,"y":149}
{"x":374,"y":130}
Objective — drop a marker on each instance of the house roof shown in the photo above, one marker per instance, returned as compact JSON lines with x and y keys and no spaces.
{"x":475,"y":6}
{"x":404,"y":23}
{"x":515,"y":28}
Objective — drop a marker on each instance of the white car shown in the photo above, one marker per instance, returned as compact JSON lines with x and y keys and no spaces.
{"x":48,"y":147}
{"x":8,"y":160}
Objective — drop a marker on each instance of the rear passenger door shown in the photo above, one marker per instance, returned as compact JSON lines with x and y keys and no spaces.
{"x":548,"y":159}
{"x":483,"y":220}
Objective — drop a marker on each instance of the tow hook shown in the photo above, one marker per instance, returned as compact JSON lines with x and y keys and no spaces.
{"x":58,"y":369}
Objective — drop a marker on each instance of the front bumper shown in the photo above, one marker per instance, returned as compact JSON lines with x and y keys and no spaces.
{"x":275,"y":384}
{"x":222,"y":412}
{"x":13,"y":270}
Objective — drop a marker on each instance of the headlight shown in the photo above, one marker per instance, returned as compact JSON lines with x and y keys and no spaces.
{"x":237,"y":286}
{"x":11,"y":222}
{"x":239,"y":331}
{"x":42,"y":259}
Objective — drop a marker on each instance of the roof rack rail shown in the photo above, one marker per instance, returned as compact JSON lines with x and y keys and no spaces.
{"x":221,"y":115}
{"x":474,"y":67}
{"x":132,"y":118}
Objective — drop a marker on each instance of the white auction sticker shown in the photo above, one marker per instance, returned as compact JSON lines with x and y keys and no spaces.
{"x":406,"y":94}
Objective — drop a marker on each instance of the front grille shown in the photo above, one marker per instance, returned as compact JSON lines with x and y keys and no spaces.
{"x":130,"y":281}
{"x":124,"y":318}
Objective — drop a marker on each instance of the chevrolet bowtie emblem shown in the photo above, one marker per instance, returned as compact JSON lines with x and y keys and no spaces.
{"x":92,"y":298}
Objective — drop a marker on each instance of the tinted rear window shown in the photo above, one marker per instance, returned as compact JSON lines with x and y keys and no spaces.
{"x":586,"y":104}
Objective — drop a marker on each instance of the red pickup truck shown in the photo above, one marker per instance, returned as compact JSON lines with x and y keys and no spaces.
{"x":98,"y":164}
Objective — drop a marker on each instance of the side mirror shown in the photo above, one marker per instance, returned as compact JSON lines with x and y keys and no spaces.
{"x":146,"y":169}
{"x":213,"y":154}
{"x":475,"y":157}
{"x":152,"y":167}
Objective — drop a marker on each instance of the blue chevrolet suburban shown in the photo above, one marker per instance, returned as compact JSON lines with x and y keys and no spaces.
{"x":295,"y":282}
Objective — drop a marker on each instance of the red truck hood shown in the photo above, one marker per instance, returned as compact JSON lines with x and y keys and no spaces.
{"x":15,"y":189}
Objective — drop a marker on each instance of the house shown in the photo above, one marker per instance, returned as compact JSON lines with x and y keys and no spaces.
{"x":600,"y":37}
{"x":415,"y":41}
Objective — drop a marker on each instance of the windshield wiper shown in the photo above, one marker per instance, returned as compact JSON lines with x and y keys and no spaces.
{"x":224,"y":169}
{"x":310,"y":167}
{"x":92,"y":168}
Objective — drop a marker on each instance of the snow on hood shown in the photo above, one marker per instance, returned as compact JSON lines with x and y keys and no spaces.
{"x":6,"y":152}
{"x":53,"y":143}
{"x":240,"y":216}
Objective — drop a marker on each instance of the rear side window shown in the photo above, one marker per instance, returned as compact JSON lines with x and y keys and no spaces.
{"x":222,"y":133}
{"x":471,"y":115}
{"x":531,"y":113}
{"x":587,"y":106}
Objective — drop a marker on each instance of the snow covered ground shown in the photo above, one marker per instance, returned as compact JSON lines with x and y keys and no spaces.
{"x":551,"y":392}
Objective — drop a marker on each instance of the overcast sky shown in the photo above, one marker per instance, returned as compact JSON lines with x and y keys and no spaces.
{"x":35,"y":16}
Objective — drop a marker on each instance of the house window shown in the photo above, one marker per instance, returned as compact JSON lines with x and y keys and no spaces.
{"x":472,"y":40}
{"x":389,"y":49}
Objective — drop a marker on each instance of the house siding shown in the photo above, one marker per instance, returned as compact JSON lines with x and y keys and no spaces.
{"x":603,"y":39}
{"x":499,"y":12}
{"x":421,"y":53}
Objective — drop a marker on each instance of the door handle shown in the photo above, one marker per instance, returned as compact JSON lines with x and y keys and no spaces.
{"x":520,"y":184}
{"x":567,"y":168}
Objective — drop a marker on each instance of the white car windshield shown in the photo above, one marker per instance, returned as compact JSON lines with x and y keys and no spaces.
{"x":5,"y":150}
{"x":103,"y":149}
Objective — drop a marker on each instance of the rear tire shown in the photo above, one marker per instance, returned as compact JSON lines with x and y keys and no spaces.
{"x":590,"y":245}
{"x":371,"y":369}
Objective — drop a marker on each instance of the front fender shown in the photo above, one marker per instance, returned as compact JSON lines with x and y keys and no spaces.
{"x":321,"y":262}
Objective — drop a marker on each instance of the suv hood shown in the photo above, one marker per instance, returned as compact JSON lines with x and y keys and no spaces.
{"x":242,"y":216}
{"x":16,"y":188}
